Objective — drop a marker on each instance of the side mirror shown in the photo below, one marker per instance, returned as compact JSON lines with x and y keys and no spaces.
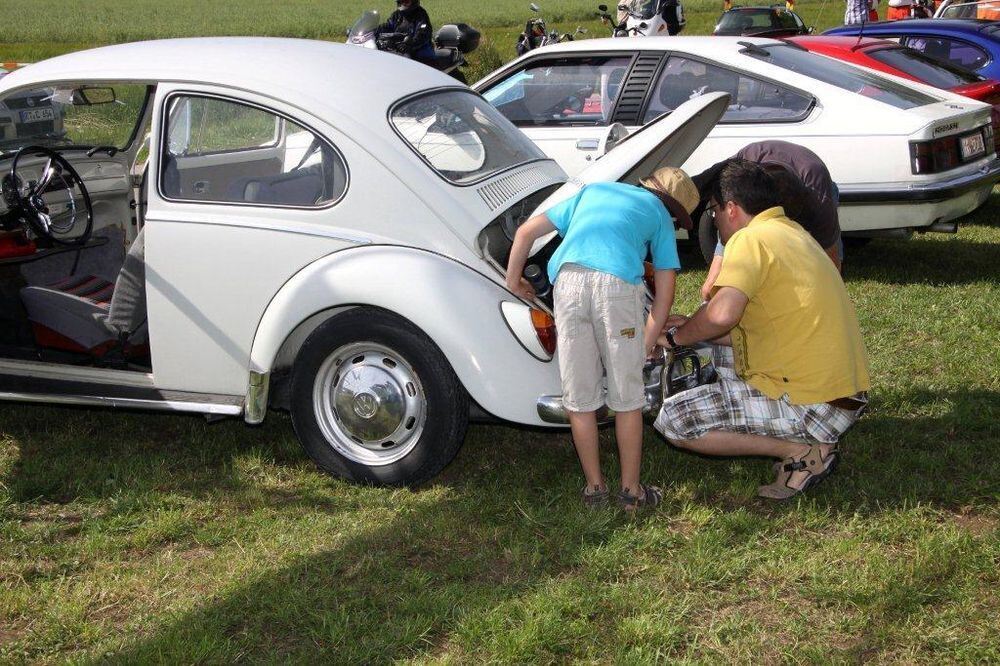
{"x":810,"y":30}
{"x":93,"y":96}
{"x":603,"y":8}
{"x":535,"y":8}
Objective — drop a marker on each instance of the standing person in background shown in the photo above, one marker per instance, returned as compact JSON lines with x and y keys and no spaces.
{"x":607,"y":230}
{"x":856,"y":12}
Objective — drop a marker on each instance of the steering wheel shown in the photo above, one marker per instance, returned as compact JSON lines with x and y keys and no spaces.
{"x":30,"y":202}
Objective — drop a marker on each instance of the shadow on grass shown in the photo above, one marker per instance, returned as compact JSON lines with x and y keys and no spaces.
{"x":948,"y":262}
{"x":502,"y":524}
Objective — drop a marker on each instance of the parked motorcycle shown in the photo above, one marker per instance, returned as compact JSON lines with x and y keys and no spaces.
{"x":535,"y":34}
{"x":451,"y":43}
{"x":645,"y":18}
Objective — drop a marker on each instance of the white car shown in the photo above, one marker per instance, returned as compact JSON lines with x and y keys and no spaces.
{"x":213,"y":235}
{"x":30,"y":114}
{"x":905,"y":156}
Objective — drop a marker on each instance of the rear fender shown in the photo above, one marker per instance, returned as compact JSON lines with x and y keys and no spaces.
{"x":456,"y":307}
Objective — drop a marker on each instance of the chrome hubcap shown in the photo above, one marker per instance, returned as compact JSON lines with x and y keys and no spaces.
{"x":369,"y":403}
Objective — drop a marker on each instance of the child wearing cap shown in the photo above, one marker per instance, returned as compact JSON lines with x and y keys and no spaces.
{"x":607,"y":230}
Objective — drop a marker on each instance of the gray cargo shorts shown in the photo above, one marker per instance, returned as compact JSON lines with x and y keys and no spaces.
{"x":599,"y":324}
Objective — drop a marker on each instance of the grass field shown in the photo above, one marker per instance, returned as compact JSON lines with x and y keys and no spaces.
{"x":138,"y":538}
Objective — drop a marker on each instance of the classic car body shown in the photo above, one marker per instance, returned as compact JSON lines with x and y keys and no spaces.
{"x":289,"y":244}
{"x":970,"y":43}
{"x":575,"y":99}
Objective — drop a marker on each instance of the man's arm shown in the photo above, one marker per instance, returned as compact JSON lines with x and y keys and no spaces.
{"x":525,"y":237}
{"x":713,"y":274}
{"x":713,"y":320}
{"x":665,"y":282}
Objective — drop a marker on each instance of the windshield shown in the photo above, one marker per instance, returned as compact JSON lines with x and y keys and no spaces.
{"x":934,"y":72}
{"x":364,"y":25}
{"x":461,"y":136}
{"x":71,"y":116}
{"x":643,"y":9}
{"x":842,"y":75}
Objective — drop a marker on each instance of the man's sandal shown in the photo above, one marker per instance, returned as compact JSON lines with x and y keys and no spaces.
{"x":648,"y":497}
{"x":812,"y":463}
{"x":594,"y":498}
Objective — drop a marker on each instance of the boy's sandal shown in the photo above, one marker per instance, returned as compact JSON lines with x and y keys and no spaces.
{"x":594,"y":498}
{"x":812,"y":463}
{"x":648,"y":496}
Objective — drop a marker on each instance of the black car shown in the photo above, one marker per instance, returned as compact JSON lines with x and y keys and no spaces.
{"x":774,"y":21}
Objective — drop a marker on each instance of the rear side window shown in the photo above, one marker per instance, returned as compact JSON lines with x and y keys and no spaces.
{"x":934,"y":72}
{"x":580,"y":91}
{"x":953,"y":51}
{"x":222,"y":151}
{"x":751,"y":100}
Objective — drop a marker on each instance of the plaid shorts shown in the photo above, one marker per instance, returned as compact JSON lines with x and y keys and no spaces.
{"x":733,"y":405}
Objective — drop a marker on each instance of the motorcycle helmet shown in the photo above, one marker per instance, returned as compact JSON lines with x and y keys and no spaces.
{"x":407,"y":6}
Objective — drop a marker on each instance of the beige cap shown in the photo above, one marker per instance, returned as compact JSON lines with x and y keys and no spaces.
{"x":676,"y":183}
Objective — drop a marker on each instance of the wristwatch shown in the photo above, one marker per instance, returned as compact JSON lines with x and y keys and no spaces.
{"x":670,"y":337}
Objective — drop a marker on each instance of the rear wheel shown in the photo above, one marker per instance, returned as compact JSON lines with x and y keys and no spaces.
{"x":708,"y":237}
{"x":459,"y":76}
{"x":375,"y":401}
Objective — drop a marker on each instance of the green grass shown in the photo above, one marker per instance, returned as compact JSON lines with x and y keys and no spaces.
{"x":135,"y":538}
{"x":138,"y":537}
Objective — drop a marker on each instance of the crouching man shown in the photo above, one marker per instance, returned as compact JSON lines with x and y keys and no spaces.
{"x":792,"y":367}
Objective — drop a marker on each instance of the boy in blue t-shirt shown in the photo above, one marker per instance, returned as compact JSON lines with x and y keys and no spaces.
{"x":608,"y":229}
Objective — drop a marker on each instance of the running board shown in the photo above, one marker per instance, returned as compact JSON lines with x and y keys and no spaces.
{"x":67,"y":392}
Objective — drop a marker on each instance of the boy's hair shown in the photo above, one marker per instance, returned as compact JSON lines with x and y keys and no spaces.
{"x":748,"y":185}
{"x":795,"y":197}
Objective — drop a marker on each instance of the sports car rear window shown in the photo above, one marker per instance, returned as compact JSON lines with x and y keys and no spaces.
{"x":933,"y":72}
{"x":461,"y":136}
{"x":840,"y":75}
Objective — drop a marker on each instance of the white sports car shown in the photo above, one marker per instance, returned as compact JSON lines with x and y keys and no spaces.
{"x":905,"y":156}
{"x":213,"y":235}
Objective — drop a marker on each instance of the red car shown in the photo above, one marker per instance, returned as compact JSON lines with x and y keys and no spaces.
{"x":888,"y":56}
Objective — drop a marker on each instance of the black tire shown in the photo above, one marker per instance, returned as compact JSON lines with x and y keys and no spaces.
{"x":708,"y":238}
{"x":442,"y":423}
{"x":459,"y":76}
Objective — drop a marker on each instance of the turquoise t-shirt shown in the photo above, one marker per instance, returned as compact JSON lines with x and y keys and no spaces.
{"x":611,"y":227}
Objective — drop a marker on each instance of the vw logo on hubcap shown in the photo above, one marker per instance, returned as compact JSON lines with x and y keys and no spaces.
{"x":365,"y":405}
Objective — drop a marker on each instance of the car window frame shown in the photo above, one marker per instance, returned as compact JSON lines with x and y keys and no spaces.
{"x":689,"y":56}
{"x":631,"y":54}
{"x":163,"y":148}
{"x":922,"y":35}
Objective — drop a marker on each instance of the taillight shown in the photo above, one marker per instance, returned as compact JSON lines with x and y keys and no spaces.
{"x":545,"y":329}
{"x":949,"y":152}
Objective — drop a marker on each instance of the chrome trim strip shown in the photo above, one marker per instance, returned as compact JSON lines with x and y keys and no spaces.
{"x":551,"y":410}
{"x":58,"y":371}
{"x":132,"y":403}
{"x":255,"y":405}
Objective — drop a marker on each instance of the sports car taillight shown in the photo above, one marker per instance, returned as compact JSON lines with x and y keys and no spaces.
{"x":545,"y":329}
{"x":951,"y":151}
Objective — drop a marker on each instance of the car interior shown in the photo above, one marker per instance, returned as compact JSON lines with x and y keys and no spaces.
{"x":73,"y":196}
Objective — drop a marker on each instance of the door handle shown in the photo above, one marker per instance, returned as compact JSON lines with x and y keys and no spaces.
{"x":588,"y":144}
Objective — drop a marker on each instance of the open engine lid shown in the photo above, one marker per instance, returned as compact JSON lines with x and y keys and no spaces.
{"x":668,"y":141}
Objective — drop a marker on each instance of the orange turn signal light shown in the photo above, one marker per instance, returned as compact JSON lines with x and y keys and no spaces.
{"x":545,"y":329}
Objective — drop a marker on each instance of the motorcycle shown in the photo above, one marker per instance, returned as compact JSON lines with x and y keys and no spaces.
{"x":645,"y":18}
{"x":536,"y":36}
{"x":451,"y":43}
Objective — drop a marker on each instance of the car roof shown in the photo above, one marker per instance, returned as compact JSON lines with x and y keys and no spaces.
{"x":701,"y":45}
{"x":931,"y":26}
{"x":305,"y":73}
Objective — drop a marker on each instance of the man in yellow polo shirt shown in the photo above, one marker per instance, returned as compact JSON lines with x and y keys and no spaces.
{"x":792,"y":367}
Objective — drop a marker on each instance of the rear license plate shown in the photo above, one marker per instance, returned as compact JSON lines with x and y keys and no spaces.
{"x":37,"y":115}
{"x":972,"y":145}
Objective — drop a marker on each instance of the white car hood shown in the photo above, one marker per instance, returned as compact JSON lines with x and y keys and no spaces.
{"x":667,"y":141}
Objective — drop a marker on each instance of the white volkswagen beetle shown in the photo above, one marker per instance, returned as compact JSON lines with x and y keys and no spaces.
{"x":292,"y":224}
{"x":905,"y":156}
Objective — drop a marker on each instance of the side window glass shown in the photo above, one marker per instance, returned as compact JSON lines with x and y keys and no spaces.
{"x":577,"y":92}
{"x":953,"y":51}
{"x":217,"y":150}
{"x":750,"y":99}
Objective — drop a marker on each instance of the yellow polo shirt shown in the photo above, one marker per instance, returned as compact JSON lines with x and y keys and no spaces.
{"x":799,"y":334}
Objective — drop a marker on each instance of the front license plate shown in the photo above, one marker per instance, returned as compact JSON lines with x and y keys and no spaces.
{"x":37,"y":115}
{"x":972,"y":146}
